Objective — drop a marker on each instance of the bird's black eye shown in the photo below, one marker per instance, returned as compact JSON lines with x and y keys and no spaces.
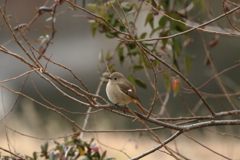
{"x":115,"y":78}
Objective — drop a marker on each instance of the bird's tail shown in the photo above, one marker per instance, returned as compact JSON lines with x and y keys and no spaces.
{"x":140,"y":107}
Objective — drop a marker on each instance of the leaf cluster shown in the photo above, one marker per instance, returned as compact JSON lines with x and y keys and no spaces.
{"x":170,"y":49}
{"x":73,"y":148}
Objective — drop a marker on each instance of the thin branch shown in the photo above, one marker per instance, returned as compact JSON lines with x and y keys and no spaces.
{"x":193,"y":126}
{"x":18,"y":57}
{"x":207,"y":147}
{"x":224,"y":134}
{"x":33,"y":100}
{"x":5,"y":121}
{"x":139,"y":9}
{"x":153,"y":69}
{"x":227,"y":15}
{"x":114,"y":149}
{"x":90,"y":108}
{"x":14,"y":78}
{"x":174,"y":136}
{"x":15,"y":38}
{"x":145,"y":54}
{"x":21,"y":158}
{"x":215,"y":72}
{"x":219,"y":114}
{"x":218,"y":74}
{"x":87,"y":92}
{"x":183,"y":77}
{"x":190,"y":30}
{"x":60,"y":107}
{"x":97,"y":16}
{"x":16,"y":100}
{"x":52,"y":35}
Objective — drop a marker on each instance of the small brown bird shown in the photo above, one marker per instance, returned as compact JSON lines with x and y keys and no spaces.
{"x":121,"y":92}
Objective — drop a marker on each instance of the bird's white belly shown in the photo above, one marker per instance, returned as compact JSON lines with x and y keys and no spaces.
{"x":116,"y":95}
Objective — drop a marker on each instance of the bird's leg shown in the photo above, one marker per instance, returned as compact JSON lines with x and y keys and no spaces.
{"x":116,"y":105}
{"x":125,"y":108}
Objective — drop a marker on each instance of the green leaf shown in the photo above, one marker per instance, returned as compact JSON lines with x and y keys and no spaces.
{"x":202,"y":3}
{"x":140,"y":83}
{"x":122,"y":29}
{"x":108,"y":56}
{"x":103,"y":155}
{"x":154,"y":30}
{"x":151,"y":22}
{"x":164,"y":34}
{"x":126,"y":6}
{"x":131,"y":23}
{"x":100,"y":57}
{"x":147,"y":63}
{"x":110,"y":35}
{"x":112,"y":2}
{"x":167,"y":81}
{"x":174,"y":25}
{"x":134,"y":51}
{"x":8,"y":17}
{"x":92,"y":6}
{"x":34,"y":155}
{"x":149,"y":19}
{"x":162,"y":22}
{"x":52,"y":156}
{"x":48,"y":19}
{"x":44,"y":147}
{"x":60,"y":147}
{"x":121,"y":55}
{"x":110,"y":67}
{"x":132,"y":45}
{"x":131,"y":79}
{"x":91,"y":140}
{"x":166,"y":6}
{"x":143,"y":35}
{"x":137,"y":67}
{"x":154,"y":4}
{"x":177,"y":45}
{"x":135,"y":6}
{"x":175,"y":63}
{"x":112,"y":19}
{"x":94,"y":28}
{"x":188,"y":62}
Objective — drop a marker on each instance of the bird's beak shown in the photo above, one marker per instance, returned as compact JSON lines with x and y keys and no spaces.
{"x":108,"y":77}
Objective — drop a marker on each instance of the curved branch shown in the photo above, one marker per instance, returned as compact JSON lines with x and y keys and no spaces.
{"x":21,"y":158}
{"x":183,"y":77}
{"x":97,"y":16}
{"x":190,"y":30}
{"x":159,"y":146}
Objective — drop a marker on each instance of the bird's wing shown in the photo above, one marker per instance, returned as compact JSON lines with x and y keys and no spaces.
{"x":128,"y":91}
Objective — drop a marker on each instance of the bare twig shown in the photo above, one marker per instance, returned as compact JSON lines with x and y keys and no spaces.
{"x":159,"y":146}
{"x":227,"y":15}
{"x":89,"y":109}
{"x":215,"y":72}
{"x":97,"y":16}
{"x":21,"y":158}
{"x":183,"y":77}
{"x":207,"y":147}
{"x":190,"y":30}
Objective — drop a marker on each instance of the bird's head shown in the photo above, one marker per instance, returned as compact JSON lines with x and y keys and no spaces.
{"x":115,"y":78}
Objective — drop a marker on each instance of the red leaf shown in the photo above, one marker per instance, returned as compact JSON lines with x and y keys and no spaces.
{"x":94,"y":148}
{"x":175,"y":83}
